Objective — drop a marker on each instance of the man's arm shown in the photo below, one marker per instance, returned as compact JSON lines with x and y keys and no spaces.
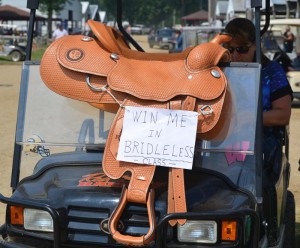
{"x":280,"y":113}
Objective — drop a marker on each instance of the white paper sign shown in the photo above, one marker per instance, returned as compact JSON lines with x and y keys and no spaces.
{"x":158,"y":137}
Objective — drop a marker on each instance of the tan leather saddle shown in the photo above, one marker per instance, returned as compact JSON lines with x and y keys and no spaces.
{"x":106,"y":73}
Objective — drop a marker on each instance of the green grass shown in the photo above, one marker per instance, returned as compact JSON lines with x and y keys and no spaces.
{"x":5,"y":59}
{"x":38,"y":54}
{"x":35,"y":55}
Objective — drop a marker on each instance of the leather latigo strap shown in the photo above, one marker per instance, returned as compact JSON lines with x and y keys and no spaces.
{"x":176,"y":194}
{"x":176,"y":187}
{"x":141,"y":175}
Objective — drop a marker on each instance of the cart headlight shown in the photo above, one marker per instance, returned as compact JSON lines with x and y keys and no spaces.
{"x":37,"y":220}
{"x":198,"y":231}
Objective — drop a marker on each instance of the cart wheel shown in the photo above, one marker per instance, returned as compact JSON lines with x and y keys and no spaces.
{"x":16,"y":56}
{"x":289,"y":236}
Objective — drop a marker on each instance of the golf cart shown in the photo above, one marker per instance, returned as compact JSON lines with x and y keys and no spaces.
{"x":272,"y":45}
{"x":9,"y":49}
{"x":9,"y":44}
{"x":62,"y":197}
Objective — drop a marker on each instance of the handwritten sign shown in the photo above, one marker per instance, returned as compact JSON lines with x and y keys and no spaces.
{"x":159,"y":137}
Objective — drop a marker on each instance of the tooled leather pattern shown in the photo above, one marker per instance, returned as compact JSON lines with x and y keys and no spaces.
{"x":158,"y":80}
{"x":70,"y":83}
{"x":67,"y":78}
{"x":141,"y":175}
{"x":162,"y":81}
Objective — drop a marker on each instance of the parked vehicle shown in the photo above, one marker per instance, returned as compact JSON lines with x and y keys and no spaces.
{"x":294,"y":79}
{"x":10,"y":49}
{"x":164,"y":38}
{"x":140,"y":29}
{"x":62,"y":198}
{"x":11,"y":44}
{"x":195,"y":35}
{"x":273,"y":48}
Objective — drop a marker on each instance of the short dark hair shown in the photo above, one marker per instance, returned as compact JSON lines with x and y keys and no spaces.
{"x":241,"y":28}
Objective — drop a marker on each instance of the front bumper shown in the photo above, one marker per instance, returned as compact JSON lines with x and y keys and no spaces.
{"x":161,"y":233}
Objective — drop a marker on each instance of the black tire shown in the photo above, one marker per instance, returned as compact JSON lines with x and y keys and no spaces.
{"x":171,"y":46}
{"x":289,"y":220}
{"x":16,"y":56}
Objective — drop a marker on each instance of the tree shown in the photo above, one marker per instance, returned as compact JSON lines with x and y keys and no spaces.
{"x":49,"y":6}
{"x":154,"y":12}
{"x":137,"y":11}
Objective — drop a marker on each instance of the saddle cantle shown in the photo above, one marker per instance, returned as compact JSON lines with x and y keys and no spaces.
{"x":106,"y":72}
{"x":114,"y":42}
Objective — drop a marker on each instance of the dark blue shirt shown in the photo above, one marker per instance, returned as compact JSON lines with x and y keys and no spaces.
{"x":179,"y":43}
{"x":274,"y":85}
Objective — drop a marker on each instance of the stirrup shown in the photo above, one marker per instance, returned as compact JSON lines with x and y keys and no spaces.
{"x":114,"y":219}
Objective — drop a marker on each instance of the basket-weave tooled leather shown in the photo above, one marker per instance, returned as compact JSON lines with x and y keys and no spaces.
{"x":104,"y":71}
{"x":146,"y":80}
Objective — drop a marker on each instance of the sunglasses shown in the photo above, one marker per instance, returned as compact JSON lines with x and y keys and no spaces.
{"x":241,"y":49}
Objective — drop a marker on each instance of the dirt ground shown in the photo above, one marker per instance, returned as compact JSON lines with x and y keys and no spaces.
{"x":9,"y":88}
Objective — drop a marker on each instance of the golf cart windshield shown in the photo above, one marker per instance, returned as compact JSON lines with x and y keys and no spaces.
{"x":49,"y":124}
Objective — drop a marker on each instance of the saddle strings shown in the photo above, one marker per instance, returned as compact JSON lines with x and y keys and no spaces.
{"x":102,"y":89}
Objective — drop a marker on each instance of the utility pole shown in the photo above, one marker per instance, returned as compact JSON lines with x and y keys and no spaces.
{"x":297,"y":47}
{"x":174,"y":17}
{"x":249,"y":14}
{"x":211,"y":11}
{"x":33,"y":5}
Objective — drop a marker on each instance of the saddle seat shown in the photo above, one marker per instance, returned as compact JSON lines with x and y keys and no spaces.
{"x":114,"y":42}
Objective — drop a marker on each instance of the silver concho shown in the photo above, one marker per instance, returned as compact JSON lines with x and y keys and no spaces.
{"x":87,"y":38}
{"x":114,"y":56}
{"x":215,"y":73}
